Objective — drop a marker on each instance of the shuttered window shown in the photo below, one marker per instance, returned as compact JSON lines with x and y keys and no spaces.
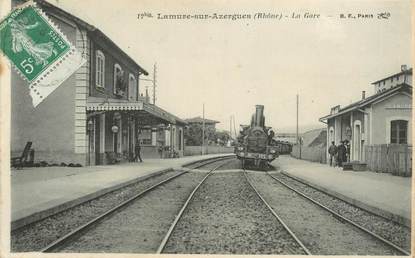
{"x":132,"y":88}
{"x":100,"y":69}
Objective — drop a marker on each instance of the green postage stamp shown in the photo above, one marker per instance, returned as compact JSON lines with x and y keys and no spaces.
{"x":38,"y":50}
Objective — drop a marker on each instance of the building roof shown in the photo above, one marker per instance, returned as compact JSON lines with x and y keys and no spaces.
{"x":363,"y":102}
{"x":409,"y":71}
{"x":48,"y":7}
{"x":176,"y":119}
{"x":96,"y":104}
{"x":199,"y":120}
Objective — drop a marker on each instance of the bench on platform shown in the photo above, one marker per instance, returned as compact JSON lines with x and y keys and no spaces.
{"x":19,"y":162}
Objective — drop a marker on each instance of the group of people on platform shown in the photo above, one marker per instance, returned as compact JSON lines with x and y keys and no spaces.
{"x":339,"y":154}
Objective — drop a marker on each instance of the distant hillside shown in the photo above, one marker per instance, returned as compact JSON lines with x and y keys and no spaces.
{"x":320,"y":140}
{"x":301,"y":129}
{"x":313,"y":147}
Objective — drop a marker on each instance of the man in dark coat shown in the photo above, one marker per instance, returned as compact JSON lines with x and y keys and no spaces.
{"x":341,"y":153}
{"x":347,"y":156}
{"x":137,"y":151}
{"x":332,"y":152}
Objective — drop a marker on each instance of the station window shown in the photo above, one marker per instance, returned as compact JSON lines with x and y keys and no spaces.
{"x":399,"y":131}
{"x":132,"y":87}
{"x":146,"y":136}
{"x":100,"y":69}
{"x":119,"y":81}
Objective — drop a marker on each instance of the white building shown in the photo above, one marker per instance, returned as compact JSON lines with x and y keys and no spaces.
{"x":379,"y":123}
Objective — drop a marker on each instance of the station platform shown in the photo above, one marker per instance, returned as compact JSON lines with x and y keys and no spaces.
{"x":381,"y":193}
{"x":42,"y":191}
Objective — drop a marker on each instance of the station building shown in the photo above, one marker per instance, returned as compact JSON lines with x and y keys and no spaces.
{"x":209,"y":123}
{"x":378,"y":124}
{"x":98,"y":112}
{"x":194,"y":130}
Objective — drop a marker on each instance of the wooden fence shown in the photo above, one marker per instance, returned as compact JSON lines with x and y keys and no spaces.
{"x":315,"y":154}
{"x":389,"y":158}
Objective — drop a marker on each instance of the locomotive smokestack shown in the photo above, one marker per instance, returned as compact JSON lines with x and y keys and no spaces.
{"x":259,"y":114}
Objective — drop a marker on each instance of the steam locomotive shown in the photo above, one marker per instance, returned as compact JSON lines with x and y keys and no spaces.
{"x":256,"y":145}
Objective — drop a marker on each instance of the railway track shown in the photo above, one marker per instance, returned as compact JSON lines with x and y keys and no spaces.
{"x":322,"y":230}
{"x":386,"y":230}
{"x":222,"y":212}
{"x":232,"y":221}
{"x":276,"y":215}
{"x":179,"y":215}
{"x":73,"y":242}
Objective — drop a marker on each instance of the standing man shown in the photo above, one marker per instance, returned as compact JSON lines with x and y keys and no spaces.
{"x":341,"y":152}
{"x":137,"y":151}
{"x":332,"y":152}
{"x":347,"y":159}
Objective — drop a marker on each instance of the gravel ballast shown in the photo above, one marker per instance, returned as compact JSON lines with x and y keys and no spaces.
{"x":394,"y":232}
{"x":227,"y":217}
{"x":36,"y":236}
{"x":318,"y":229}
{"x":232,"y":164}
{"x":141,"y":226}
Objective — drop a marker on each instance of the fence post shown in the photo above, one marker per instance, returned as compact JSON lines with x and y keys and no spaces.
{"x":406,"y":173}
{"x":385,"y":165}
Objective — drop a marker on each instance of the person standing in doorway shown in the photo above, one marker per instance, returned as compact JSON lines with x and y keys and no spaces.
{"x":137,"y":151}
{"x":332,"y":153}
{"x":347,"y":156}
{"x":341,"y":152}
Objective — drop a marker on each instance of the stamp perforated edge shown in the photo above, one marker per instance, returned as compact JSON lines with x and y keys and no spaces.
{"x":57,"y":62}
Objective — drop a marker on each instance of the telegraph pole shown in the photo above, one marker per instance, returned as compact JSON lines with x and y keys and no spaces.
{"x":230,"y":127}
{"x":203,"y":131}
{"x":154,"y":83}
{"x":234,"y":128}
{"x":297,"y":120}
{"x":299,"y":140}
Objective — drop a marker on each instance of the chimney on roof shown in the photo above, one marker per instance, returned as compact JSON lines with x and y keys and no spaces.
{"x":363,"y":94}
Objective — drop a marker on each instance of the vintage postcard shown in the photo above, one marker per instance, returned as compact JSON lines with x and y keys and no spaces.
{"x":206,"y":127}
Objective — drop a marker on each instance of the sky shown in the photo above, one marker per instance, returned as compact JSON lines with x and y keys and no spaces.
{"x":233,"y":65}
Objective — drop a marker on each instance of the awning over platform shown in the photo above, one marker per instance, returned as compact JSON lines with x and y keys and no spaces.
{"x":108,"y":106}
{"x":141,"y":109}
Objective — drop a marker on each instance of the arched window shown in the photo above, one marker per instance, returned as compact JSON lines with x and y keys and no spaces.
{"x":132,"y":87}
{"x":399,"y":131}
{"x":119,"y":83}
{"x":100,"y":69}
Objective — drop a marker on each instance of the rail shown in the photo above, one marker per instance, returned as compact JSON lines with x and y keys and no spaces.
{"x":276,"y":215}
{"x":179,"y":215}
{"x":337,"y":215}
{"x":66,"y":238}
